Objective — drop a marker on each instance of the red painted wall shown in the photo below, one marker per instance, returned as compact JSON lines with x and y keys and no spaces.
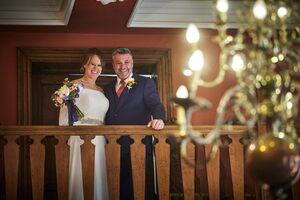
{"x":180,"y":52}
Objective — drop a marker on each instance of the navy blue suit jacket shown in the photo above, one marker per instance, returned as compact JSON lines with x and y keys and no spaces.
{"x":136,"y":105}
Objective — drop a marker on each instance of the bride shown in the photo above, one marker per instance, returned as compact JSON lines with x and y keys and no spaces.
{"x":94,"y":106}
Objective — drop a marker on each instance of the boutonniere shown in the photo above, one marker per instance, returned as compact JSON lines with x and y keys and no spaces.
{"x":130,"y":83}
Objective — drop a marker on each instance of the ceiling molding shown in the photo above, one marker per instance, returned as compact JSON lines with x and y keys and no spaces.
{"x":180,"y":13}
{"x":35,"y":12}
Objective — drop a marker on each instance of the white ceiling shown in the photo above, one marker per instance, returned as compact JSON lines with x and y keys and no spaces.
{"x":147,"y":13}
{"x":180,"y":13}
{"x":35,"y":12}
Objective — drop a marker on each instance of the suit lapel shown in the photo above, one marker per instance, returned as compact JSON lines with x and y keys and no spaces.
{"x":113,"y":94}
{"x":121,"y":101}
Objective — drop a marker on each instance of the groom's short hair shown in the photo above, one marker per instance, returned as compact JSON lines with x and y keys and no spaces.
{"x":121,"y":51}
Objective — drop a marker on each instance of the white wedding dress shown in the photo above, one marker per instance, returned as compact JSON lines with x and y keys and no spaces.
{"x":94,"y":106}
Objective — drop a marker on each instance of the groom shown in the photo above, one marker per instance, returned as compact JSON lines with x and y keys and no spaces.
{"x":133,"y":100}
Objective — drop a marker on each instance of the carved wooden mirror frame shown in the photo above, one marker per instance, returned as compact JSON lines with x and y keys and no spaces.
{"x":26,"y":56}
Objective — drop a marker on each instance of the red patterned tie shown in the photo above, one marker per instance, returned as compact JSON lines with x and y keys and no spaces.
{"x":121,"y":88}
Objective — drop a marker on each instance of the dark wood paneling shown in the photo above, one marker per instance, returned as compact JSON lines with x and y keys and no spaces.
{"x":33,"y":61}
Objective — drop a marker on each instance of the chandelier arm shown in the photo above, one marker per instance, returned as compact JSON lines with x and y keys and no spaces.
{"x":213,"y":150}
{"x":183,"y":151}
{"x":248,"y":104}
{"x":194,"y":85}
{"x":209,"y":84}
{"x":250,"y":122}
{"x":227,"y":52}
{"x":210,"y":156}
{"x":188,"y":117}
{"x":215,"y":133}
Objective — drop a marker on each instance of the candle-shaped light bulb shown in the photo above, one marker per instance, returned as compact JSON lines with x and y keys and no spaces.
{"x":222,"y":6}
{"x":282,"y":12}
{"x":187,"y":72}
{"x":192,"y":34}
{"x":237,"y":63}
{"x":260,"y":9}
{"x":196,"y":61}
{"x":182,"y":92}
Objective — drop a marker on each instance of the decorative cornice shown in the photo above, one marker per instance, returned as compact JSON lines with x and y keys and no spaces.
{"x":31,"y":12}
{"x":180,"y":13}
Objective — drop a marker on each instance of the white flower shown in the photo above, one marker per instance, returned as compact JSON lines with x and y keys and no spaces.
{"x":130,"y":83}
{"x":63,"y":91}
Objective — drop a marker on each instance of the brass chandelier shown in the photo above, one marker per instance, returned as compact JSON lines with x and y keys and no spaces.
{"x":265,"y":55}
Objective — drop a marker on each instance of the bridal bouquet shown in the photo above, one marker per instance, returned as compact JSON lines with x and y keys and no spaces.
{"x":67,"y":95}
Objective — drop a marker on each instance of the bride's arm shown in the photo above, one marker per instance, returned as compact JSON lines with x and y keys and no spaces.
{"x":63,"y":116}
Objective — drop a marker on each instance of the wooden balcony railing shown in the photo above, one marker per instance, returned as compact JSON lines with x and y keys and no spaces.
{"x":10,"y":157}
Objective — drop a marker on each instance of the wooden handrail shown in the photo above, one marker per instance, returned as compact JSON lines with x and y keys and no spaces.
{"x":109,"y":130}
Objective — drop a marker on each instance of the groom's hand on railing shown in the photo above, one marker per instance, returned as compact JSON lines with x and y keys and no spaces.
{"x":156,"y":124}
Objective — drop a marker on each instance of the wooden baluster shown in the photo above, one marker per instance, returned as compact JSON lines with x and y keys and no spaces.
{"x":188,"y":173}
{"x":162,"y":152}
{"x":50,"y":178}
{"x":2,"y":172}
{"x":24,"y":171}
{"x":11,"y":159}
{"x":213,"y":174}
{"x":88,"y":163}
{"x":37,"y":161}
{"x":296,"y":190}
{"x":62,"y":152}
{"x":236,"y":156}
{"x":138,"y":160}
{"x":112,"y":151}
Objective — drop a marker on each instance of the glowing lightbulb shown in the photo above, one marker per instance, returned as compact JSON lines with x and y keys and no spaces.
{"x":187,"y":72}
{"x":237,"y":63}
{"x":192,"y":34}
{"x":281,"y":57}
{"x":252,"y":147}
{"x":289,"y":105}
{"x":281,"y":12}
{"x":196,"y":61}
{"x":274,"y":59}
{"x":260,"y":9}
{"x":281,"y":135}
{"x":222,"y":6}
{"x":182,"y":92}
